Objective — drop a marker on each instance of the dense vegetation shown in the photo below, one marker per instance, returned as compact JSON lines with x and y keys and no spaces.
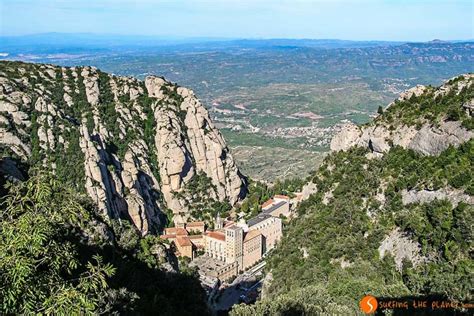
{"x":433,"y":107}
{"x":330,"y":253}
{"x":205,"y":206}
{"x":41,"y":267}
{"x":56,"y":257}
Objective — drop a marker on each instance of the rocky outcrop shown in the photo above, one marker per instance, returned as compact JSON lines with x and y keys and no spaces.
{"x":401,"y":247}
{"x":209,"y":150}
{"x":347,"y":137}
{"x":432,"y":140}
{"x":307,"y":190}
{"x":189,"y":147}
{"x":415,"y":91}
{"x":140,"y":143}
{"x":429,"y":138}
{"x":424,"y":196}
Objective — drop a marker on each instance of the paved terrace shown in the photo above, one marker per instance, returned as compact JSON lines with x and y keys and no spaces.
{"x":207,"y":265}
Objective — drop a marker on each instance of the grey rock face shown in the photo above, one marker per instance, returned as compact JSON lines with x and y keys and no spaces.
{"x":400,"y":246}
{"x":425,"y":196}
{"x":308,"y":189}
{"x":429,"y":139}
{"x":152,"y":171}
{"x":197,"y":148}
{"x":348,"y":137}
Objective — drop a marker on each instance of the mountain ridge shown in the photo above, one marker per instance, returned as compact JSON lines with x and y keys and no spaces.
{"x":427,"y":135}
{"x":135,"y":147}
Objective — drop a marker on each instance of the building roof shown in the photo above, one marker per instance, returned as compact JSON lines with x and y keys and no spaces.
{"x":252,"y":234}
{"x":195,"y":237}
{"x":259,"y":218}
{"x":229,"y":224}
{"x":280,"y":196}
{"x":274,"y":207}
{"x":184,"y":241}
{"x":233,"y":227}
{"x":178,"y":231}
{"x":168,"y":236}
{"x":267,"y":203}
{"x":194,"y":224}
{"x":216,"y":235}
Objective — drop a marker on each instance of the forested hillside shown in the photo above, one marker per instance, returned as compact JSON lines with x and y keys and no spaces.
{"x":59,"y":257}
{"x":391,"y":221}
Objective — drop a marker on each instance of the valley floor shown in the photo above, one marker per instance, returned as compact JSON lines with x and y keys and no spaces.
{"x":268,"y":164}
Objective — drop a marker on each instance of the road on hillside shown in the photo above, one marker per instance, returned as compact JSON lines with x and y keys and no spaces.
{"x":241,"y":286}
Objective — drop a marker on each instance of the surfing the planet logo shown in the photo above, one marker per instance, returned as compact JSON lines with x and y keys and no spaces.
{"x":368,"y":304}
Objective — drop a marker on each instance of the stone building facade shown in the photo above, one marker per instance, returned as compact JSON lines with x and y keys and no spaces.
{"x":252,"y":250}
{"x":243,"y":243}
{"x":231,"y":247}
{"x":234,"y":238}
{"x":270,"y":227}
{"x":186,"y":244}
{"x":215,"y":245}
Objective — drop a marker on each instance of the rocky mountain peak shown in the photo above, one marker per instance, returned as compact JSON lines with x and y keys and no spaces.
{"x":139,"y":149}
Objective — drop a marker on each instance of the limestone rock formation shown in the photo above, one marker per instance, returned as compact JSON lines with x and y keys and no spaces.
{"x":134,"y":147}
{"x":428,"y":138}
{"x":424,"y":196}
{"x":401,"y":247}
{"x":346,"y":138}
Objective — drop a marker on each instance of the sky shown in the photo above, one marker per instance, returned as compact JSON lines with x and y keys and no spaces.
{"x":401,"y":20}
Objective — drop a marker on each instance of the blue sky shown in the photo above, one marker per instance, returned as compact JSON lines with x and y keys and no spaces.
{"x":413,"y":20}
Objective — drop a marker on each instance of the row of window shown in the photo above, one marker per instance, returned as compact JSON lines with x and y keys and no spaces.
{"x":252,"y":248}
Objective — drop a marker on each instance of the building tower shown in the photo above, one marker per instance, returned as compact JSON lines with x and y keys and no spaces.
{"x":234,"y":238}
{"x":219,"y":222}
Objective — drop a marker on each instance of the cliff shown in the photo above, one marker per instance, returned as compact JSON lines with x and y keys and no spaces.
{"x":136,"y":147}
{"x":425,"y":119}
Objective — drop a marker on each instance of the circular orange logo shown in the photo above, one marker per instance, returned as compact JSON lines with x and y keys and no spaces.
{"x":368,"y":304}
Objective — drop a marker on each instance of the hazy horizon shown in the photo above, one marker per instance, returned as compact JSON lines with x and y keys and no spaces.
{"x":366,"y":20}
{"x":171,"y":37}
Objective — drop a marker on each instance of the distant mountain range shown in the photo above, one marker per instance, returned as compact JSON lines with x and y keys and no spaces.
{"x":264,"y":94}
{"x":62,"y":42}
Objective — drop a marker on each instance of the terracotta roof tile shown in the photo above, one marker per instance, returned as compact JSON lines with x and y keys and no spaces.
{"x":229,"y":224}
{"x":176,"y":231}
{"x":267,"y":203}
{"x":216,"y":235}
{"x":184,"y":241}
{"x":168,"y":236}
{"x":194,"y":224}
{"x":279,"y":196}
